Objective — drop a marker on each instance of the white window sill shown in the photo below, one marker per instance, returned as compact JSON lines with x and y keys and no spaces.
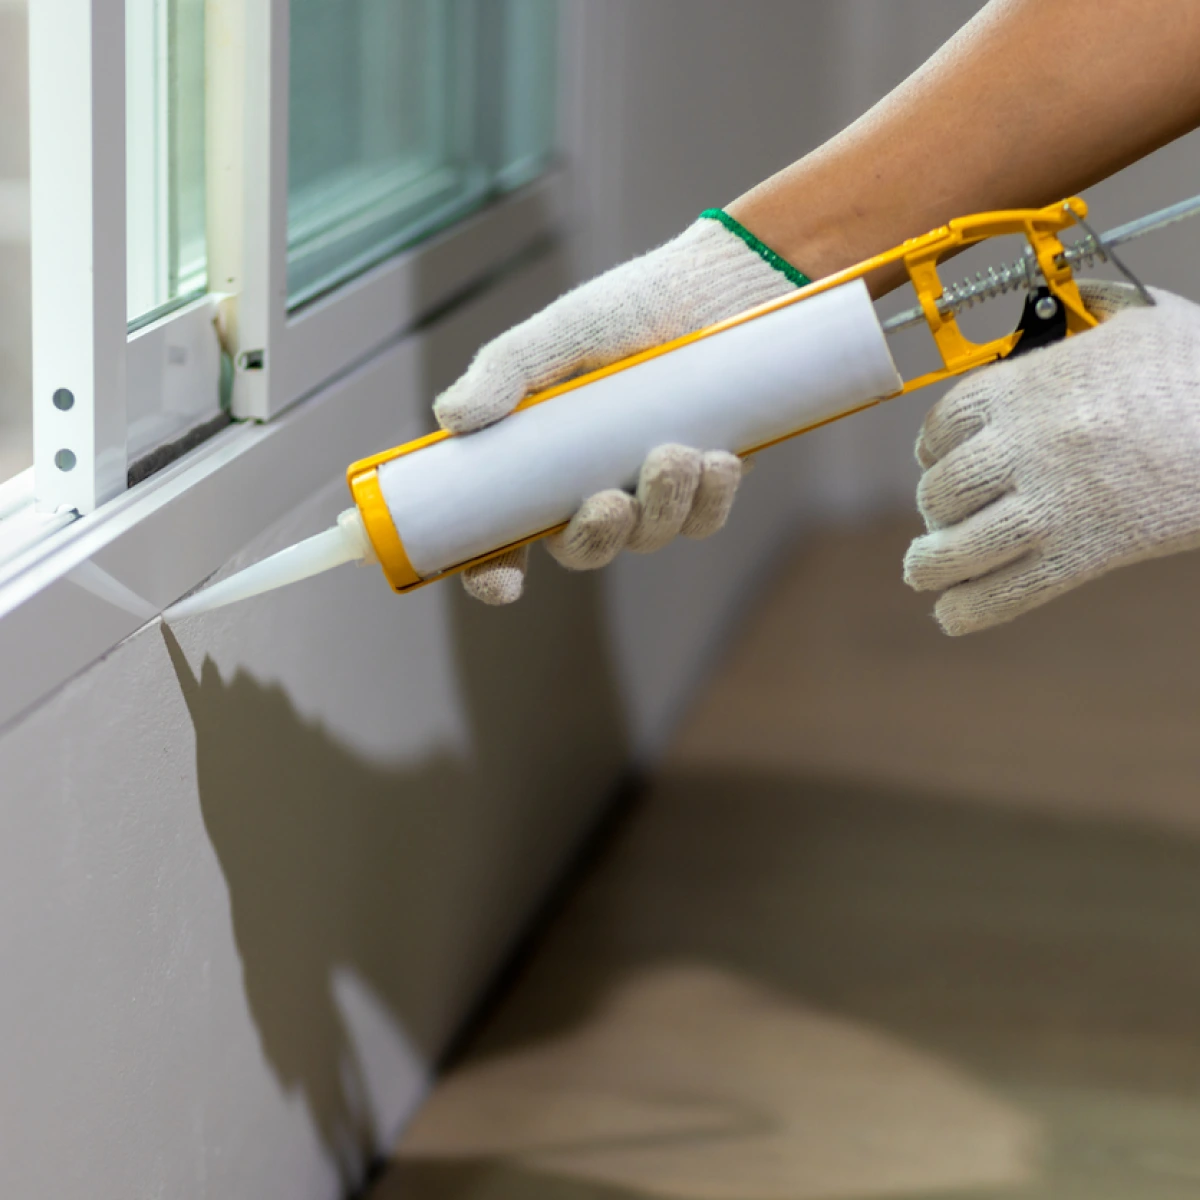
{"x":70,"y":585}
{"x":22,"y":527}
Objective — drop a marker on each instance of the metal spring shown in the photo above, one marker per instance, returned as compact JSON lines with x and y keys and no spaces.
{"x":1024,"y":272}
{"x":995,"y":281}
{"x":1085,"y":253}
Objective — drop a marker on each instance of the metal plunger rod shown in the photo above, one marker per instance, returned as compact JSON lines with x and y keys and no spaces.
{"x":1025,"y":272}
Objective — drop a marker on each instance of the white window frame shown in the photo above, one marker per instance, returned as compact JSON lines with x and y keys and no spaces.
{"x":77,"y":224}
{"x":73,"y":543}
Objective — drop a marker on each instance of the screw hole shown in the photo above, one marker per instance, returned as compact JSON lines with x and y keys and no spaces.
{"x":64,"y":399}
{"x":64,"y":460}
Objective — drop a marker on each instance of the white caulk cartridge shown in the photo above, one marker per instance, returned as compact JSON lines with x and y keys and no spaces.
{"x":443,"y":503}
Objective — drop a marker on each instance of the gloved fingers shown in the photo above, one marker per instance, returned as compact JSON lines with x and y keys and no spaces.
{"x":983,"y":543}
{"x":557,"y":343}
{"x":963,"y":482}
{"x":492,"y":386}
{"x":499,"y":580}
{"x":1104,"y":299}
{"x":666,"y":488}
{"x":590,"y":327}
{"x":958,"y":416}
{"x":597,"y":533}
{"x":963,"y":412}
{"x":720,"y":476}
{"x":680,"y":491}
{"x":996,"y":598}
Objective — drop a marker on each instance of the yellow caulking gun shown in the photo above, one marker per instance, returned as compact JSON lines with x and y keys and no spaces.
{"x":437,"y":505}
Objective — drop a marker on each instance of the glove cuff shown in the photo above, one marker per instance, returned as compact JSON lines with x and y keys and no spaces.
{"x":793,"y":274}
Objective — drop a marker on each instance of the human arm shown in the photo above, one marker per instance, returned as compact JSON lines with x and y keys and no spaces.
{"x":1032,"y":100}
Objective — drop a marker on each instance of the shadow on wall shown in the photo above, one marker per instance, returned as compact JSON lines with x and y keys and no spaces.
{"x":334,"y":864}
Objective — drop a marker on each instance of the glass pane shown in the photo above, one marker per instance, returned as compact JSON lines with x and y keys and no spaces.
{"x":379,"y":137}
{"x":164,"y":122}
{"x":16,"y":386}
{"x":405,"y":115}
{"x":530,"y":89}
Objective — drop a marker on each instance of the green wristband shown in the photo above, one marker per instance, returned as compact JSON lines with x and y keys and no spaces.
{"x":781,"y":264}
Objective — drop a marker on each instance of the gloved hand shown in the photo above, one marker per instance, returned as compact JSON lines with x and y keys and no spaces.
{"x":1051,"y":469}
{"x":713,"y":270}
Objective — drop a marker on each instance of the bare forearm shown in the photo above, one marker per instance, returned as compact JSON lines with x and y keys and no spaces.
{"x":1031,"y":101}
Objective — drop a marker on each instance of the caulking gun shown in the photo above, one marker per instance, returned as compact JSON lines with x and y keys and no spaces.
{"x":435,"y":506}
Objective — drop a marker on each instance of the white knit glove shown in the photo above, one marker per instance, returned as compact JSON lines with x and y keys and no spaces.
{"x":1051,"y":469}
{"x":713,"y":270}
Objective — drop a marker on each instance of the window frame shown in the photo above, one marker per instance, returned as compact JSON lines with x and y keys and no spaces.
{"x":301,"y":350}
{"x":285,"y":440}
{"x":77,"y":235}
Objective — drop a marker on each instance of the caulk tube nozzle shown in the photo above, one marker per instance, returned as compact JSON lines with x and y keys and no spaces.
{"x":346,"y":542}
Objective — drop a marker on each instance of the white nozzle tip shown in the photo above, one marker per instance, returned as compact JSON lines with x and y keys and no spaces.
{"x":346,"y":542}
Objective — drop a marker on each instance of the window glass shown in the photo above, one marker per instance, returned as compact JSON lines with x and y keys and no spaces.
{"x":530,"y":81}
{"x":164,"y":122}
{"x":16,"y":405}
{"x":404,"y":115}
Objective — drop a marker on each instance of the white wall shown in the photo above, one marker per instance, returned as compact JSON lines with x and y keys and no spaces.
{"x":251,"y":882}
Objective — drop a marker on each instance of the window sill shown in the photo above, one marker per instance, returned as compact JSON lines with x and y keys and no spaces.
{"x":22,"y":527}
{"x":71,"y":594}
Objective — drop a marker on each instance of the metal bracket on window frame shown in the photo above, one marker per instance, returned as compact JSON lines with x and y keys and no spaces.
{"x":77,"y":227}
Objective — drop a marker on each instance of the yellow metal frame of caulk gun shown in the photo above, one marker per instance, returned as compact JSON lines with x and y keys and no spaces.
{"x":920,"y":256}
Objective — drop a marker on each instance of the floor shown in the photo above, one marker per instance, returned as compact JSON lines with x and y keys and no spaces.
{"x":901,"y":916}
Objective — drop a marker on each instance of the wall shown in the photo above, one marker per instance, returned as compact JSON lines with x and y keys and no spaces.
{"x":251,"y":880}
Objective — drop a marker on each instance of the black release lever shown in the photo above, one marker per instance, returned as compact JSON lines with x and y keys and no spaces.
{"x":1043,"y":321}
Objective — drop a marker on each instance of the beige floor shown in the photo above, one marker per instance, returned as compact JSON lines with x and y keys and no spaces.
{"x":901,"y":916}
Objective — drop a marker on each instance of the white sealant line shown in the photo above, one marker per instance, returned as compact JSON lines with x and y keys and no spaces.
{"x":99,"y":582}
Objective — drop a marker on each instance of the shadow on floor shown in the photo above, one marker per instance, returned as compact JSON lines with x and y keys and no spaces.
{"x":1035,"y":978}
